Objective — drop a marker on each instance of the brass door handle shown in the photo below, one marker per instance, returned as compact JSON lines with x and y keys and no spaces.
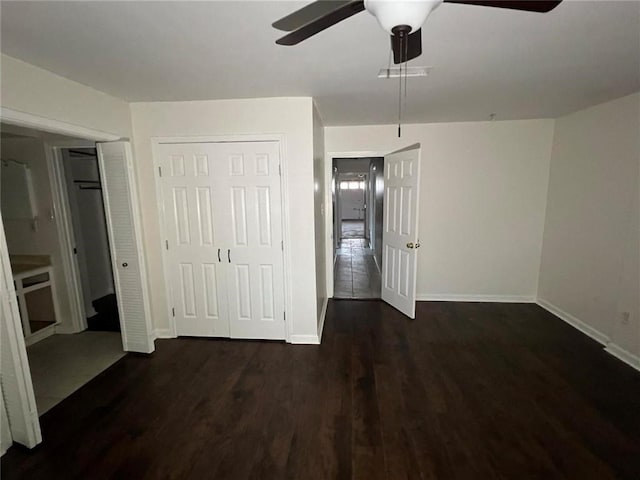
{"x":410,"y":245}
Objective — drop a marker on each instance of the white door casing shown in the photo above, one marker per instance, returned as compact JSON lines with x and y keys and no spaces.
{"x":400,"y":241}
{"x":6,"y":440}
{"x":223,"y":221}
{"x":125,"y":235}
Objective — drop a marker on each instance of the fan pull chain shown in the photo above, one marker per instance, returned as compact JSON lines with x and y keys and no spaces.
{"x":400,"y":102}
{"x":403,"y":49}
{"x":406,"y":69}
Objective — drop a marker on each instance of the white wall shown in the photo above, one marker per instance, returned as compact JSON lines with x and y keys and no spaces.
{"x":482,"y":201}
{"x":32,"y":90}
{"x":291,"y":117}
{"x":589,"y":267}
{"x":22,"y":239}
{"x":351,"y":203}
{"x":320,"y":210}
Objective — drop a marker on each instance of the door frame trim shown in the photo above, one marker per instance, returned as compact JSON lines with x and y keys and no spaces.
{"x":156,"y":142}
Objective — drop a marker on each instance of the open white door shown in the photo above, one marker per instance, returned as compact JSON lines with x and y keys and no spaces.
{"x":123,"y":223}
{"x":16,"y":386}
{"x":400,"y":229}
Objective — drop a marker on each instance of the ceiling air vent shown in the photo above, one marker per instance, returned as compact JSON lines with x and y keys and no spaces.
{"x":394,"y":72}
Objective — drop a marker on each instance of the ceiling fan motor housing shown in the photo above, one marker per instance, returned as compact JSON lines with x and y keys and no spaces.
{"x":394,"y":13}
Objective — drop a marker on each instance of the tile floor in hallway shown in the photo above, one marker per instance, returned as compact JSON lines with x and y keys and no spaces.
{"x":61,"y":364}
{"x":356,"y":275}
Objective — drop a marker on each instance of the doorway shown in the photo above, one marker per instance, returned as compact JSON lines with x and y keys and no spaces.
{"x":59,"y":363}
{"x":123,"y":221}
{"x":83,"y":187}
{"x":358,"y":186}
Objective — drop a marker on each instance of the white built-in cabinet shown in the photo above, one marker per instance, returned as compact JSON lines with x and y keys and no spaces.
{"x":223,"y":247}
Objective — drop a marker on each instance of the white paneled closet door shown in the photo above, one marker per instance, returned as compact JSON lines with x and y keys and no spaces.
{"x":191,"y":189}
{"x":223,"y":219}
{"x":252,"y":213}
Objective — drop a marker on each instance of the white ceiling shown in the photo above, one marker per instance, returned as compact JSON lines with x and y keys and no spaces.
{"x":485,"y":60}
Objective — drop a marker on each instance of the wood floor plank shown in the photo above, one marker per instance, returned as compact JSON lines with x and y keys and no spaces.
{"x":464,"y":391}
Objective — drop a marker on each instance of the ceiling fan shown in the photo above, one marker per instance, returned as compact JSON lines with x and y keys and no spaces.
{"x":402,"y":19}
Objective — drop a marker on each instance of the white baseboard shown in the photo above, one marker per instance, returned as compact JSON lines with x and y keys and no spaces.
{"x":65,"y":328}
{"x":574,"y":322}
{"x":611,"y":348}
{"x":305,"y":340}
{"x":621,"y":354}
{"x":438,"y":297}
{"x":323,"y":315}
{"x":163,"y":333}
{"x":40,"y":335}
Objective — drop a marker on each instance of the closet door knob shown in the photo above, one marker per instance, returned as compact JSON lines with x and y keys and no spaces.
{"x":125,"y":264}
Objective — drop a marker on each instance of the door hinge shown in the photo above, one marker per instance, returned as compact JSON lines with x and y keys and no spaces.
{"x":173,"y":312}
{"x":279,"y":170}
{"x":160,"y":171}
{"x":282,"y":245}
{"x":284,"y":316}
{"x":166,"y":243}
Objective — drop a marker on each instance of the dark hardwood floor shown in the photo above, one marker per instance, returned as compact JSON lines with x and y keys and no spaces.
{"x":466,"y":391}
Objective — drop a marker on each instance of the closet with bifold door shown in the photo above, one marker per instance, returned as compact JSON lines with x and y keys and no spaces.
{"x":222,"y":219}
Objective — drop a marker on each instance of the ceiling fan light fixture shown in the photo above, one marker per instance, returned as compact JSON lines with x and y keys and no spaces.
{"x":392,"y":13}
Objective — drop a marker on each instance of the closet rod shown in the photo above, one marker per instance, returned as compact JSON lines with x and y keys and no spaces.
{"x":78,"y":152}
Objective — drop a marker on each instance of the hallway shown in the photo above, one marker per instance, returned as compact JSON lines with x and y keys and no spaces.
{"x":356,"y":275}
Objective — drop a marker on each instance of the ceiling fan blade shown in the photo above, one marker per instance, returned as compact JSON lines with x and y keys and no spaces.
{"x":321,"y":23}
{"x":541,"y":6}
{"x":413,"y":48}
{"x":307,"y":14}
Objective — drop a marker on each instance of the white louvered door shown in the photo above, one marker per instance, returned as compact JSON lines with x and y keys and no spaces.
{"x":223,"y":220}
{"x":123,"y":225}
{"x":400,"y":241}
